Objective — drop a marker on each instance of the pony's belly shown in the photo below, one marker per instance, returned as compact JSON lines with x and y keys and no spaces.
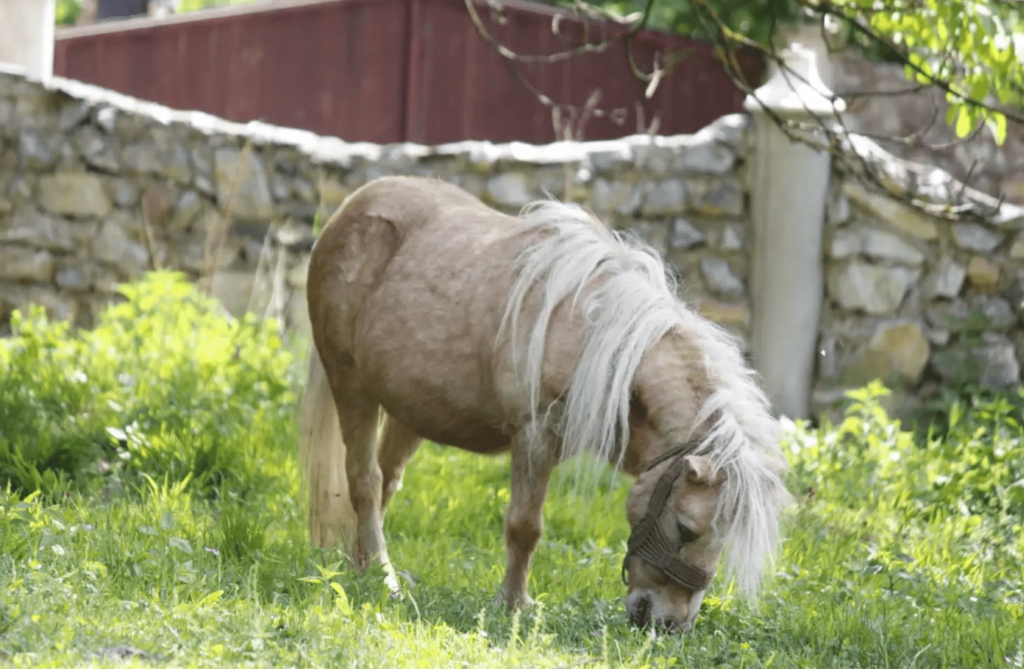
{"x":443,"y":423}
{"x":433,"y":384}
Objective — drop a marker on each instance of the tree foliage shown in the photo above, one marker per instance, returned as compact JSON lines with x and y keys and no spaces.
{"x":755,"y":19}
{"x":67,"y":12}
{"x":972,"y":50}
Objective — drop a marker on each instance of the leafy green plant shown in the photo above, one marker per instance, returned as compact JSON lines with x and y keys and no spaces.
{"x":974,"y":463}
{"x":164,"y":384}
{"x":48,"y":429}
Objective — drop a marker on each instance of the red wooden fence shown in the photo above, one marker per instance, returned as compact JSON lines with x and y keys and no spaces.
{"x":386,"y":70}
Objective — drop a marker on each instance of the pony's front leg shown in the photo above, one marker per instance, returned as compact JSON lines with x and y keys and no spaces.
{"x":524,"y":520}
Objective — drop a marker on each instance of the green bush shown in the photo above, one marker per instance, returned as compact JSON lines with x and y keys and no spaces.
{"x":164,"y":385}
{"x":974,"y":465}
{"x":48,"y":425}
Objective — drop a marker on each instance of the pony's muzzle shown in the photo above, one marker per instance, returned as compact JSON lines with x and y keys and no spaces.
{"x":670,"y":625}
{"x":640,"y":617}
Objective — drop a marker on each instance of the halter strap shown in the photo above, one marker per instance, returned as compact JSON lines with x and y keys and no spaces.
{"x":648,"y":541}
{"x":682,"y":449}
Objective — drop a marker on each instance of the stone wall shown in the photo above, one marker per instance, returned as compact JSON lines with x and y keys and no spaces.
{"x":918,"y":300}
{"x":96,"y":188}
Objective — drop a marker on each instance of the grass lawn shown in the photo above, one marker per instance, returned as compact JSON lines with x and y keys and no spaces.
{"x":150,"y":516}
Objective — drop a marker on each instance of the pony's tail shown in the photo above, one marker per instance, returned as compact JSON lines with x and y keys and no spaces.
{"x":322,"y":453}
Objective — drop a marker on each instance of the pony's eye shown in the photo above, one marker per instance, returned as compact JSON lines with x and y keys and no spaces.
{"x":686,"y":535}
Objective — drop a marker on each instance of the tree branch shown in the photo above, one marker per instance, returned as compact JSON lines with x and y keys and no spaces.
{"x":829,"y":133}
{"x":825,"y":7}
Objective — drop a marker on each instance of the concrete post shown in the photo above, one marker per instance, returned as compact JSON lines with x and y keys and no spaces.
{"x":789,"y":190}
{"x":26,"y":36}
{"x":809,"y":36}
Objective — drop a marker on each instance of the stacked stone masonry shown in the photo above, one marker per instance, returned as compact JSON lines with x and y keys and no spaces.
{"x":97,"y":188}
{"x":918,"y":301}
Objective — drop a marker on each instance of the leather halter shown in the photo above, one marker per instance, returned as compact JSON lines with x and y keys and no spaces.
{"x":648,"y":541}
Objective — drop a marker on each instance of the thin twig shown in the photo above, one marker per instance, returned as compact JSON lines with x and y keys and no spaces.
{"x":211,"y":255}
{"x":265,"y":251}
{"x":147,"y":229}
{"x":275,"y":305}
{"x":829,"y":134}
{"x":511,"y":58}
{"x":836,"y":134}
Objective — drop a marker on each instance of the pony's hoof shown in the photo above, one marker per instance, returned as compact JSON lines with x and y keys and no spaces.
{"x":394,"y":586}
{"x":360,"y":563}
{"x":515,"y":602}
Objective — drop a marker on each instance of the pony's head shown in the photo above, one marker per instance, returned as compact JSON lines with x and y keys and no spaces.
{"x":708,"y":488}
{"x":673,"y":551}
{"x":686,"y":507}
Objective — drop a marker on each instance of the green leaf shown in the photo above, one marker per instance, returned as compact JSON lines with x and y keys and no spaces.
{"x":997,"y":122}
{"x":980,"y":88}
{"x":951,"y":114}
{"x":211,"y":598}
{"x":181,"y":544}
{"x":882,"y":22}
{"x":341,"y":601}
{"x":997,"y":56}
{"x":964,"y":122}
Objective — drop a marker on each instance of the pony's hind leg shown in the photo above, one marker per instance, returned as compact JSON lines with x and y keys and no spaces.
{"x":524,"y":520}
{"x":397,"y":446}
{"x":358,"y":416}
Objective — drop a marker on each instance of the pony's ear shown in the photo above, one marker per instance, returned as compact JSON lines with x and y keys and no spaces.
{"x":698,"y":470}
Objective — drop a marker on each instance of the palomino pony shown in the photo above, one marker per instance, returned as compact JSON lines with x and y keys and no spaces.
{"x":546,"y":335}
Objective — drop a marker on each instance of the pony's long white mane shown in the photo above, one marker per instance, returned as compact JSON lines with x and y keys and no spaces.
{"x":632,"y":306}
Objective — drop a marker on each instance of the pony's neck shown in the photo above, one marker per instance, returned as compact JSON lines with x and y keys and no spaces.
{"x":668,"y":390}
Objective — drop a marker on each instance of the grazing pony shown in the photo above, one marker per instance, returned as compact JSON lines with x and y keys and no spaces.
{"x":546,"y":335}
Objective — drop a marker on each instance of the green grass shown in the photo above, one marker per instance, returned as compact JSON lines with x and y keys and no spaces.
{"x":150,"y":516}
